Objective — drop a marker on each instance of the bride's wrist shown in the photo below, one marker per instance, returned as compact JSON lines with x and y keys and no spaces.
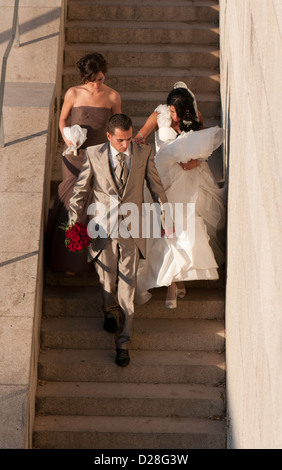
{"x":142,"y":136}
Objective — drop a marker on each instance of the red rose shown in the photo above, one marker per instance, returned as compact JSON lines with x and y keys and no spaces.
{"x":70,"y":246}
{"x":84,"y":241}
{"x":74,"y":236}
{"x":77,"y":237}
{"x":77,"y":246}
{"x":83,"y":232}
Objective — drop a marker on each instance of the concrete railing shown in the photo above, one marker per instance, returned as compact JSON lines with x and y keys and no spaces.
{"x":14,"y":39}
{"x":32,"y":94}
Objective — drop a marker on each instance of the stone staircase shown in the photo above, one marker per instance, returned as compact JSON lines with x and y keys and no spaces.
{"x":149,"y":46}
{"x":172,"y":395}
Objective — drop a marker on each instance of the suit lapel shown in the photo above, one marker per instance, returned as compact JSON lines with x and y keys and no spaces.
{"x":135,"y":164}
{"x":104,"y":160}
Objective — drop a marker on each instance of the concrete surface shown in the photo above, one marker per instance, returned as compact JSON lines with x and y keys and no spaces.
{"x":30,"y":126}
{"x":251,"y":89}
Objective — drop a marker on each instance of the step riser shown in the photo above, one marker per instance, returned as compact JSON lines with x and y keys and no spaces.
{"x":157,"y":83}
{"x":153,"y":342}
{"x":142,"y":13}
{"x":141,"y":374}
{"x":87,"y":406}
{"x":120,"y":440}
{"x":100,"y":35}
{"x":83,"y":308}
{"x":86,"y":280}
{"x":145,"y":108}
{"x":148,"y":59}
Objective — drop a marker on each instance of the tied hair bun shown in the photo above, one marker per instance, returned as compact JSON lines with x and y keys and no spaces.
{"x":189,"y":122}
{"x":91,"y":64}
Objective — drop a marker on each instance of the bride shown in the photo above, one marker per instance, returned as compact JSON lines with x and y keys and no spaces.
{"x":194,"y":251}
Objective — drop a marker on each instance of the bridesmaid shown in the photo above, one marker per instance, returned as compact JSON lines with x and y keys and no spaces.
{"x":89,"y":105}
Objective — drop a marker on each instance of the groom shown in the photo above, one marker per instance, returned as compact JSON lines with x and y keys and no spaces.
{"x":115,"y":172}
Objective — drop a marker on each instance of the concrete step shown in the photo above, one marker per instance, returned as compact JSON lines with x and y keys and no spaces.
{"x":85,"y":301}
{"x":91,"y":279}
{"x":200,"y":80}
{"x":149,"y":10}
{"x":62,"y":279}
{"x":147,"y":32}
{"x":147,"y":55}
{"x":171,"y":395}
{"x":149,"y":334}
{"x":88,"y":432}
{"x":129,"y":399}
{"x":144,"y":103}
{"x":86,"y":365}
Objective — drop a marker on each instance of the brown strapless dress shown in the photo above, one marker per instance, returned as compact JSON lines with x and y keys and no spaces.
{"x":58,"y":258}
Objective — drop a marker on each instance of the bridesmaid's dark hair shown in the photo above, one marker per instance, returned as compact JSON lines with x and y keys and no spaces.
{"x":91,"y":64}
{"x":182,"y":100}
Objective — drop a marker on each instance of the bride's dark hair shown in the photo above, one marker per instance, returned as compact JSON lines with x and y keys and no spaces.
{"x":183,"y":102}
{"x":91,"y":64}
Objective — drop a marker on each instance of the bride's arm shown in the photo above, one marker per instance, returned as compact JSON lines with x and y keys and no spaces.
{"x":149,"y":126}
{"x":190,"y":165}
{"x":201,"y":119}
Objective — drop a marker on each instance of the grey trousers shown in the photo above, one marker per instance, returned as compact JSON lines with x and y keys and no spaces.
{"x":116,"y":266}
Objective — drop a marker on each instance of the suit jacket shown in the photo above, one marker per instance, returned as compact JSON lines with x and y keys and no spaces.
{"x":96,"y":176}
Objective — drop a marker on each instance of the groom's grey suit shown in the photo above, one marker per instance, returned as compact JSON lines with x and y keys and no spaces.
{"x":116,"y":258}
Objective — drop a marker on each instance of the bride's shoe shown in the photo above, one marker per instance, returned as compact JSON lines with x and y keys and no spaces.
{"x":181,"y":292}
{"x":171,"y":303}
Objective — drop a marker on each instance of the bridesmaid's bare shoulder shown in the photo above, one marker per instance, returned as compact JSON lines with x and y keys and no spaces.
{"x":114,"y":98}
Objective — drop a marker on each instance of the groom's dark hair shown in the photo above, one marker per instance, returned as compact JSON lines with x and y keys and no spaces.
{"x":119,"y":121}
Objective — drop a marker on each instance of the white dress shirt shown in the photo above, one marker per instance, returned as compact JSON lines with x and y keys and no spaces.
{"x":113,"y":160}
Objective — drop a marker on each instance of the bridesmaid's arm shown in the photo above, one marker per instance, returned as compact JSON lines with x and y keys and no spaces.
{"x":68,"y":104}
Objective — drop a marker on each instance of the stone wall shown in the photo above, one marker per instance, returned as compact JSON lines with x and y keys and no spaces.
{"x":251,"y":89}
{"x":32,"y":94}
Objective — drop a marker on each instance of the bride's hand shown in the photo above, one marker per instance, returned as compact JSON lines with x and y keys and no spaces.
{"x":190,"y":165}
{"x":137,"y":139}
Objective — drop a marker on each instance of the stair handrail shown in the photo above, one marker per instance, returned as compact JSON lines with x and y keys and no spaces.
{"x":15,"y":38}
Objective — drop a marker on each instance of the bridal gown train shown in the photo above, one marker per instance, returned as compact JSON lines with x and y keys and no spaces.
{"x":188,"y":255}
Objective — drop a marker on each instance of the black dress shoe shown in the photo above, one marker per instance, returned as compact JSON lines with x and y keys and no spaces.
{"x":122,"y":358}
{"x":110,"y":325}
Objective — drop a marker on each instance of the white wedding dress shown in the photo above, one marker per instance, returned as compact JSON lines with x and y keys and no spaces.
{"x":187,"y":255}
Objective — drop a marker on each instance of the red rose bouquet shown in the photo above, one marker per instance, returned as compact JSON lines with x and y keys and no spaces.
{"x":77,"y":238}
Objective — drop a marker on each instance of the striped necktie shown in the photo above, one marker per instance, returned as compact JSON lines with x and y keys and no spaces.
{"x":121,"y":171}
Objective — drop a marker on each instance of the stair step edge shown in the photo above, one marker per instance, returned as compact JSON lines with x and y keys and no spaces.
{"x":134,"y":425}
